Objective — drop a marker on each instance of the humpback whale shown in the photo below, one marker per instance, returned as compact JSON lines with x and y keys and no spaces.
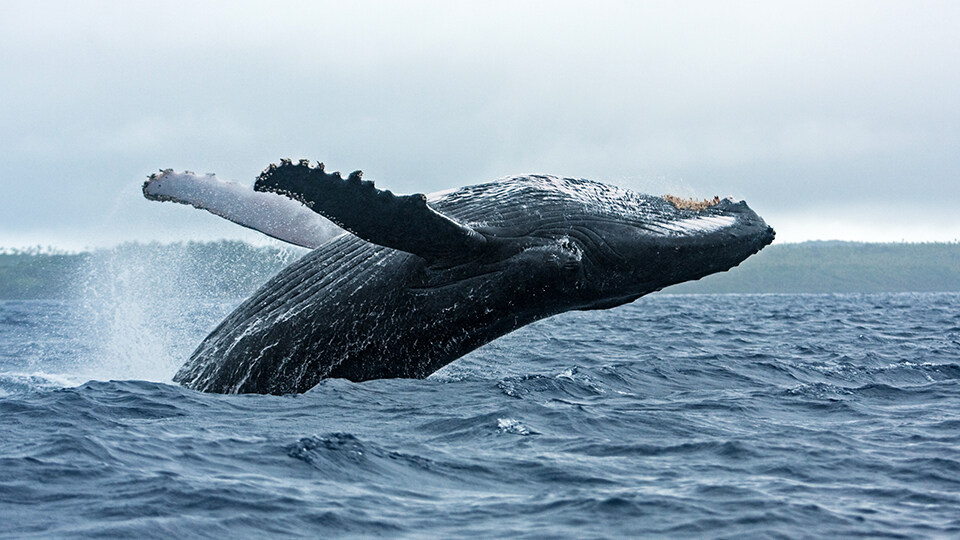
{"x":418,"y":281}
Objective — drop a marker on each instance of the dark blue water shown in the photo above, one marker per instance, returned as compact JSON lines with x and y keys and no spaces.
{"x":683,"y":416}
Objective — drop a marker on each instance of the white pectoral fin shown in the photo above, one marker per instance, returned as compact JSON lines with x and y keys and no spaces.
{"x":274,"y":215}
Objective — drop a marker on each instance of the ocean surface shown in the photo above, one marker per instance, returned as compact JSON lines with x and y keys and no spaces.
{"x":683,"y":416}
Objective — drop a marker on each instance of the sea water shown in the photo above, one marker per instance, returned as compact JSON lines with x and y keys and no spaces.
{"x":683,"y":416}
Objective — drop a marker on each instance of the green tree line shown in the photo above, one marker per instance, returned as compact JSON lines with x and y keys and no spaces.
{"x":235,"y":269}
{"x":839,"y":267}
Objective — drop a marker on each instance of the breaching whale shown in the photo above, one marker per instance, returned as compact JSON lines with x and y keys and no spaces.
{"x":419,"y":281}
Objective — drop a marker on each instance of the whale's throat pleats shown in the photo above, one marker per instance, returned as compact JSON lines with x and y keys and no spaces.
{"x":402,"y":222}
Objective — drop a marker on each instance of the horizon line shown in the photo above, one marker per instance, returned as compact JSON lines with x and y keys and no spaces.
{"x":50,"y":249}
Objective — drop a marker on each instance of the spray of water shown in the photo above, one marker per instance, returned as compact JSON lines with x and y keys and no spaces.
{"x":143,"y":308}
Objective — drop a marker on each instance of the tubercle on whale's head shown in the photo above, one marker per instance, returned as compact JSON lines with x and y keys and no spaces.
{"x":683,"y":241}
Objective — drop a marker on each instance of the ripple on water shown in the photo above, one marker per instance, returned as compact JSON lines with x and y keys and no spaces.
{"x":709,"y":416}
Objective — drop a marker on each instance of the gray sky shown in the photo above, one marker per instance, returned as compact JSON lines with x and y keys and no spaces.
{"x":834,"y":120}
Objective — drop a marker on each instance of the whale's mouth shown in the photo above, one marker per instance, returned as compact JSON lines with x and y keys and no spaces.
{"x":691,"y":204}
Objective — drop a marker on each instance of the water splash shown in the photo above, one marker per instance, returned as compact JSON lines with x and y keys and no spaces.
{"x":140,"y":304}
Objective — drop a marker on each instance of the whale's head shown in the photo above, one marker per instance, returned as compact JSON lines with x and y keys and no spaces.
{"x":662,"y":243}
{"x":613,"y":245}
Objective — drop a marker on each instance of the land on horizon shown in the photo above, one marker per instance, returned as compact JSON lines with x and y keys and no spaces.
{"x":227,"y":268}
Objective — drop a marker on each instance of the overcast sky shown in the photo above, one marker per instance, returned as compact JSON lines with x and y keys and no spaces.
{"x":834,"y":120}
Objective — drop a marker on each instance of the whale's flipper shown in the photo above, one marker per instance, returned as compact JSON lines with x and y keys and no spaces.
{"x":268,"y":213}
{"x":402,"y":222}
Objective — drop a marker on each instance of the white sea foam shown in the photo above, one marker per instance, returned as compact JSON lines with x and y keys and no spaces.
{"x":509,"y":425}
{"x":15,"y":382}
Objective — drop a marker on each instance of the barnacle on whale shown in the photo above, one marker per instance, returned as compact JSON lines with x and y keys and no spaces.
{"x":691,"y":203}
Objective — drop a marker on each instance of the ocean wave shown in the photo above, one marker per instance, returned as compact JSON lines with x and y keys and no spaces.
{"x":714,"y":416}
{"x":16,"y":383}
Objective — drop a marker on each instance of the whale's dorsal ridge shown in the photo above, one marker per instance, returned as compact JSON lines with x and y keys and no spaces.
{"x":403,"y":222}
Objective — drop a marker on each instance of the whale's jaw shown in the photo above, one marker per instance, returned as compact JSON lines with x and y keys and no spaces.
{"x":627,"y":259}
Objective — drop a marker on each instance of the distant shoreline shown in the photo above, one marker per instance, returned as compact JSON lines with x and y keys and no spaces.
{"x":839,"y":267}
{"x":272,"y":244}
{"x":229,"y":268}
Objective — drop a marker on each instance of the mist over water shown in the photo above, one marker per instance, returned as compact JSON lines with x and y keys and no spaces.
{"x":133,"y":311}
{"x":138,"y":311}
